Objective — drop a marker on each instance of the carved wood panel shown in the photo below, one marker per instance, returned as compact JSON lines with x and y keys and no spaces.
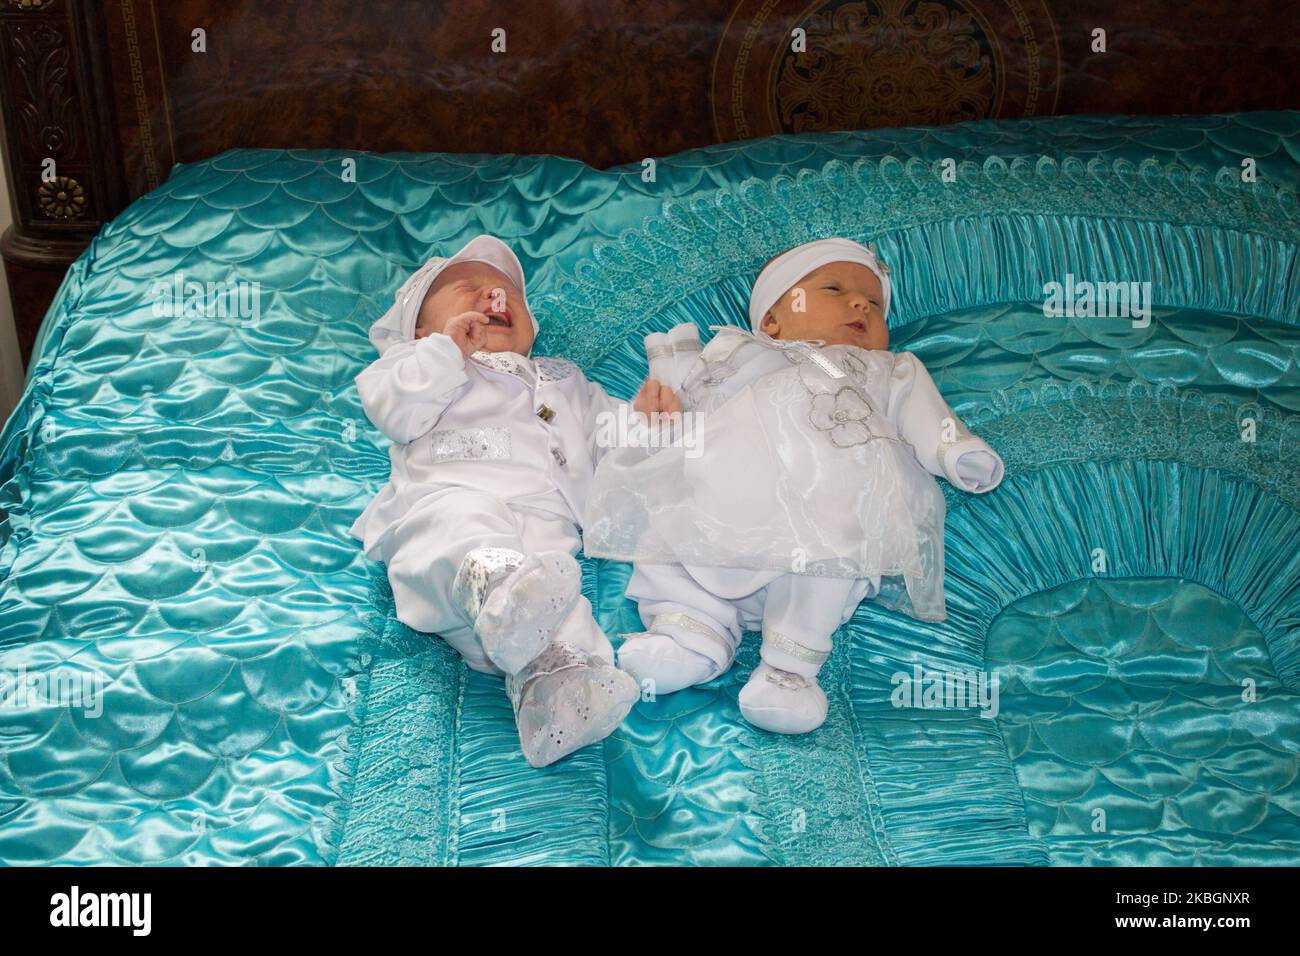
{"x":612,"y":82}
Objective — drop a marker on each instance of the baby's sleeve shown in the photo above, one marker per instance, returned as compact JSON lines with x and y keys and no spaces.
{"x":942,"y":443}
{"x":407,"y":389}
{"x":601,"y":421}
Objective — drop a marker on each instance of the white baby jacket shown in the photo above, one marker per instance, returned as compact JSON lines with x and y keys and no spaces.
{"x":519,"y":428}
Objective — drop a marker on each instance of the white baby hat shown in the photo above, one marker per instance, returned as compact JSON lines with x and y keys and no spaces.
{"x":398,"y":323}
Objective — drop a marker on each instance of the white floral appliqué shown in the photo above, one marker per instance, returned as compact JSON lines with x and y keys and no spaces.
{"x":844,"y":415}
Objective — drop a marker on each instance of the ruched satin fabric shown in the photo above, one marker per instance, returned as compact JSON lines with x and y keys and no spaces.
{"x":177,"y":494}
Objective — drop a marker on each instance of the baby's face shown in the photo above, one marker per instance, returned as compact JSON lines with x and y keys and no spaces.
{"x":843,"y":304}
{"x":477,"y":287}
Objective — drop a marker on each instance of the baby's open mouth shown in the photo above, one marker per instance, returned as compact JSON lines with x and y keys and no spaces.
{"x":502,"y":319}
{"x":860,"y":326}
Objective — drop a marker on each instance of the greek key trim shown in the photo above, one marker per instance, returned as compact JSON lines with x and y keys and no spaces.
{"x":782,"y":643}
{"x":688,"y":623}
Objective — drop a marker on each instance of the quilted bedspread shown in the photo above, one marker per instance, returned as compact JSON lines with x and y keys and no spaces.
{"x":198,"y":665}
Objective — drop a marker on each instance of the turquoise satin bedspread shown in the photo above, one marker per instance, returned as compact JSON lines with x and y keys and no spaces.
{"x":197,"y":665}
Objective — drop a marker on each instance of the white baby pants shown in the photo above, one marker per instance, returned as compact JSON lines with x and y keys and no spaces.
{"x":426,"y":551}
{"x":706,"y":610}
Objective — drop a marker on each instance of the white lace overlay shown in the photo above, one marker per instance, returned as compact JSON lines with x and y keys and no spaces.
{"x":481,"y":570}
{"x":799,"y":468}
{"x":556,"y":657}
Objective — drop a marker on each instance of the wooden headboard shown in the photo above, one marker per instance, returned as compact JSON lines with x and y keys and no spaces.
{"x":115,"y":92}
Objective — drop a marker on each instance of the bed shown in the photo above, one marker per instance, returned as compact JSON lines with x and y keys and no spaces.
{"x":177,"y":493}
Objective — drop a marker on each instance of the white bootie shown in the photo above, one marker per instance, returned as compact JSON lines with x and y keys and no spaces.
{"x":782,"y":702}
{"x":669,"y":667}
{"x":516,"y":609}
{"x":671,"y":355}
{"x":566,"y":699}
{"x":659,"y":357}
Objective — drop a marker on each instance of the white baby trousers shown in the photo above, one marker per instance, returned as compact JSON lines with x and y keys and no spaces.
{"x":426,"y":550}
{"x":706,"y":610}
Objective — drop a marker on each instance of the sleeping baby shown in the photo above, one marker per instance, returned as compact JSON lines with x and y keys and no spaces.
{"x":492,"y":459}
{"x":810,"y":490}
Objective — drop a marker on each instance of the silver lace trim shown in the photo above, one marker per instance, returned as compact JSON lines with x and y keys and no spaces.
{"x":555,"y":657}
{"x":674,"y":348}
{"x":471,"y":444}
{"x":480,"y":571}
{"x":688,"y":623}
{"x":551,"y":369}
{"x":717,"y":372}
{"x":502,"y":362}
{"x":798,"y":651}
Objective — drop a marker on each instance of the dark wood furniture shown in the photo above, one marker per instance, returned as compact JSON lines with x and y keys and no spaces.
{"x":115,"y":92}
{"x":61,"y":150}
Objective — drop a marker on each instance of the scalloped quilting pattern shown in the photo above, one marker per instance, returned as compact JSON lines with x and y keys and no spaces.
{"x":178,"y":494}
{"x":1139,"y":735}
{"x":1211,"y":140}
{"x":1181,"y":388}
{"x":224,"y":634}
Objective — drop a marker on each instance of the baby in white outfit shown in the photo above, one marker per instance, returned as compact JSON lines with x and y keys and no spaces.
{"x":492,"y":458}
{"x":811,"y":491}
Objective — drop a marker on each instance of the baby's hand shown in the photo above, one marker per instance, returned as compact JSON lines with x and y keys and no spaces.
{"x":654,"y":397}
{"x":466,"y":330}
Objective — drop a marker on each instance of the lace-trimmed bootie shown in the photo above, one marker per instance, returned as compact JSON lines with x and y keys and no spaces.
{"x":783,"y":702}
{"x":566,"y":699}
{"x":678,"y":652}
{"x":515,"y":601}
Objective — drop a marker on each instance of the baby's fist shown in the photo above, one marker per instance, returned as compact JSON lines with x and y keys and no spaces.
{"x":467,"y":331}
{"x":655,"y":397}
